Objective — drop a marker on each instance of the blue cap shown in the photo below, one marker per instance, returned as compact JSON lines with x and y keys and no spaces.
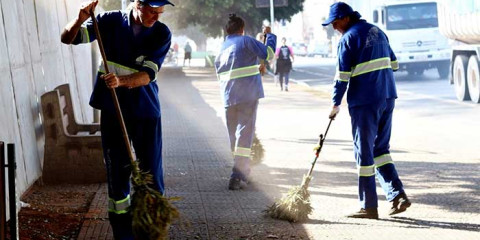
{"x":338,"y":10}
{"x":156,"y":3}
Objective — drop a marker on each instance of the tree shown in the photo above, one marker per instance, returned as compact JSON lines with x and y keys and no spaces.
{"x":211,"y":15}
{"x":110,"y":4}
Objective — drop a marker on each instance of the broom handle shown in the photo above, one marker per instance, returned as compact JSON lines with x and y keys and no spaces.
{"x":112,"y":90}
{"x":320,"y":143}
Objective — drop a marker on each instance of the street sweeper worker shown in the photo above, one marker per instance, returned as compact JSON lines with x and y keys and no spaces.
{"x":136,"y":44}
{"x":365,"y":67}
{"x":237,"y":68}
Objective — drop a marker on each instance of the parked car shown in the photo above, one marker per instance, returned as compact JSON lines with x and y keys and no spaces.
{"x":320,"y":48}
{"x":299,"y":49}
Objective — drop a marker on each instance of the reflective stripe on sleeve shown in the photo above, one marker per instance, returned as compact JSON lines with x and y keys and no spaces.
{"x":119,"y":207}
{"x":270,"y":53}
{"x":342,"y":76}
{"x":151,"y":65}
{"x":366,"y":171}
{"x":373,"y":65}
{"x":394,"y":65}
{"x":84,"y":34}
{"x":239,"y":73}
{"x":116,"y":68}
{"x":243,"y":152}
{"x":383,"y":160}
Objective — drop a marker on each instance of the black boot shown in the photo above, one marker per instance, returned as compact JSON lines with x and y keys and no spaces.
{"x":399,"y":204}
{"x":370,"y":213}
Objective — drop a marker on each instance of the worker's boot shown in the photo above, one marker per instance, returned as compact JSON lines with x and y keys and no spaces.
{"x":236,"y":184}
{"x":399,"y":204}
{"x":370,"y":213}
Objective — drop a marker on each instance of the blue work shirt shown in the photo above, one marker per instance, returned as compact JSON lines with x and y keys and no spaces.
{"x":126,"y":54}
{"x":365,"y":64}
{"x":237,"y":67}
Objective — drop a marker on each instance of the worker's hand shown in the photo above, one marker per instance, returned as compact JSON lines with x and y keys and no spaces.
{"x":262,"y":68}
{"x":267,"y":29}
{"x":334,"y":112}
{"x":86,"y":9}
{"x":111,"y":80}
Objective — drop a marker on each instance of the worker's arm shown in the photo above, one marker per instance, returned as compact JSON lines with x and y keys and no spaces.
{"x":133,"y":80}
{"x":264,"y":52}
{"x":342,"y":77}
{"x":72,"y":28}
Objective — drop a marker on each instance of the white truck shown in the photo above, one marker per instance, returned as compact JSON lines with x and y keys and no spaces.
{"x":412,"y":29}
{"x":460,"y":21}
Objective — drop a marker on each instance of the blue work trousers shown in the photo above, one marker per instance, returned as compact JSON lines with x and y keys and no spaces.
{"x":145,"y":135}
{"x":241,"y":129}
{"x":371,"y":130}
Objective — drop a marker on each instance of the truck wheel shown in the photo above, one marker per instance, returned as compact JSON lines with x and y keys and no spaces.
{"x":459,"y":78}
{"x":473,"y":79}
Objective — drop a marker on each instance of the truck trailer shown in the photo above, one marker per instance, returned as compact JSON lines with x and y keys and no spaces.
{"x":460,"y":21}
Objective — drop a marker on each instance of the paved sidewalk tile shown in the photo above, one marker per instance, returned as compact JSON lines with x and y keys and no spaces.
{"x":198,"y":164}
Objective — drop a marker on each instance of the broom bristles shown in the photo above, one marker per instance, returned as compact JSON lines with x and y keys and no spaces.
{"x":152,"y":213}
{"x":295,"y":206}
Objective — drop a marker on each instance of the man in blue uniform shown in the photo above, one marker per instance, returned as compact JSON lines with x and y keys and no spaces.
{"x":136,"y":44}
{"x":365,"y":65}
{"x":238,"y":71}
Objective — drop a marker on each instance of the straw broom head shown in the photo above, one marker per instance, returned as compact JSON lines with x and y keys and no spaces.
{"x":295,"y":206}
{"x":152,"y":213}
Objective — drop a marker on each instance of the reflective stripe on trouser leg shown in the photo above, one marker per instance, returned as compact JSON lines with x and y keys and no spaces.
{"x":387,"y":174}
{"x":119,"y":206}
{"x":364,"y":130}
{"x":241,"y":127}
{"x":118,"y":174}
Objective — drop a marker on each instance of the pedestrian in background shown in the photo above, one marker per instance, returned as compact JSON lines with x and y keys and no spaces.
{"x":365,"y":66}
{"x":237,"y":68}
{"x":284,"y":56}
{"x":136,"y":44}
{"x":188,"y":54}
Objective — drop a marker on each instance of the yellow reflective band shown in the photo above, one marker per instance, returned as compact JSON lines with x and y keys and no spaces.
{"x":116,"y":68}
{"x":243,"y":152}
{"x":366,"y":171}
{"x":151,"y":65}
{"x":342,"y":76}
{"x":383,"y":160}
{"x":370,"y":66}
{"x":239,"y":73}
{"x":119,"y":207}
{"x":394,"y":65}
{"x":84,"y":34}
{"x":270,"y":53}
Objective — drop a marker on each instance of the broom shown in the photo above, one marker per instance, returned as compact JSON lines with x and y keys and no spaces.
{"x":152,"y":213}
{"x":296,"y":205}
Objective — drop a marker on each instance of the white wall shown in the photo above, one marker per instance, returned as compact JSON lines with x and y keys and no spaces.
{"x":33,"y":61}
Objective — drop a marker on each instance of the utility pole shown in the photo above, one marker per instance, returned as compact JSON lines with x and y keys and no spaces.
{"x":272,"y":16}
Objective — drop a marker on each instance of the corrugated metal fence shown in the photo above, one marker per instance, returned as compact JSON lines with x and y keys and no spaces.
{"x":33,"y":61}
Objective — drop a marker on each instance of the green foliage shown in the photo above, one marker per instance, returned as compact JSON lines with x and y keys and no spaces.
{"x":111,"y":4}
{"x":211,"y":15}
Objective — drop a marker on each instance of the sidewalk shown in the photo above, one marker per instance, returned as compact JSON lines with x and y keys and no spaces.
{"x":198,"y":163}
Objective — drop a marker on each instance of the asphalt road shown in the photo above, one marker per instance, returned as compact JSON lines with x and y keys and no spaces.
{"x":428,"y":116}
